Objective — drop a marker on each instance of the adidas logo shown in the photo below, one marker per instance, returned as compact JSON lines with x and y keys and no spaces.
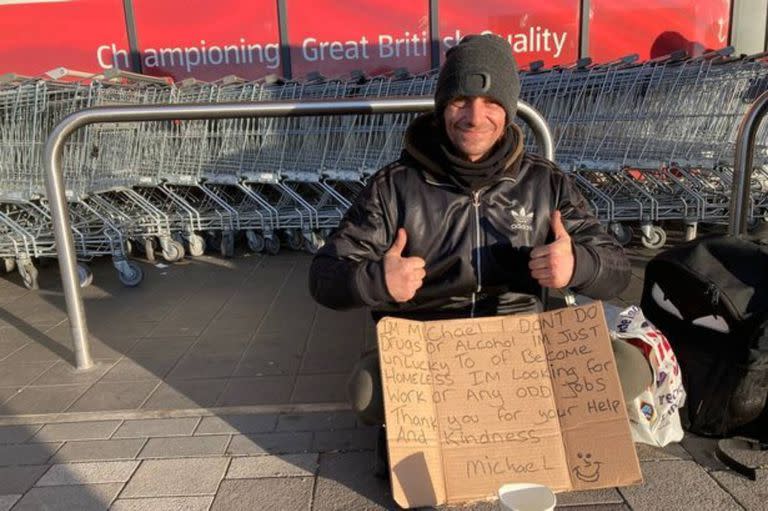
{"x":521,"y":220}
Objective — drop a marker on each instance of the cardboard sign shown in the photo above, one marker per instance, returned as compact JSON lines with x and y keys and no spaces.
{"x":474,"y":404}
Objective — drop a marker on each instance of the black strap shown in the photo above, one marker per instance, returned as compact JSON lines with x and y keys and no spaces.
{"x":735,"y":465}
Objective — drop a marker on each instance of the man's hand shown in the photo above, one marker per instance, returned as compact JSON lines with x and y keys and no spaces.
{"x":403,"y":275}
{"x":552,"y":265}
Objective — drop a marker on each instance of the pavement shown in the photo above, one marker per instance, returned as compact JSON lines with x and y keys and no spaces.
{"x":219,"y":384}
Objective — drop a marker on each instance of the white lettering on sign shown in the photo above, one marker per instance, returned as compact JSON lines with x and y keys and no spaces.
{"x":536,"y":39}
{"x":107,"y":55}
{"x":410,"y":45}
{"x":190,"y":57}
{"x":314,"y":50}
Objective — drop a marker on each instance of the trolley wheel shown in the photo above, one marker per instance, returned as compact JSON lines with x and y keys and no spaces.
{"x":272,"y":245}
{"x":84,"y":275}
{"x":128,"y":247}
{"x":173,"y":252}
{"x":196,"y":245}
{"x":314,"y":242}
{"x":622,"y":232}
{"x":9,"y":264}
{"x":227,"y":246}
{"x":133,"y":276}
{"x":657,"y":239}
{"x":256,"y":241}
{"x":295,"y":239}
{"x":149,"y":249}
{"x":28,"y":274}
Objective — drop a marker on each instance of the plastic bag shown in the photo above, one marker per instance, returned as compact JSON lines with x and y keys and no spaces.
{"x":654,"y":415}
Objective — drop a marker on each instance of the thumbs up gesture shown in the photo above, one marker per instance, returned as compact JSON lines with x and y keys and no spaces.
{"x":403,"y":275}
{"x":552,"y":265}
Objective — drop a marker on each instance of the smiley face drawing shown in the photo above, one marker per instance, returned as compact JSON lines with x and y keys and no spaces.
{"x":587,"y":471}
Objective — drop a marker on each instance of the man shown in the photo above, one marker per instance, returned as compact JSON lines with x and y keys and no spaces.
{"x":466,"y":223}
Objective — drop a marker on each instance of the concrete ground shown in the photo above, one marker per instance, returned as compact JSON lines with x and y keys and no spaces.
{"x":220,"y":385}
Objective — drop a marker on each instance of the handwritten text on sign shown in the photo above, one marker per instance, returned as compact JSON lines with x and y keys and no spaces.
{"x":475,"y":404}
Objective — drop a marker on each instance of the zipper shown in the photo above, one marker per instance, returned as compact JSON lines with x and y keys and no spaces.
{"x":476,"y":204}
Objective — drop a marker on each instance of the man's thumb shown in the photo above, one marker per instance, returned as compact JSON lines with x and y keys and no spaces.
{"x":399,"y":245}
{"x":558,"y":229}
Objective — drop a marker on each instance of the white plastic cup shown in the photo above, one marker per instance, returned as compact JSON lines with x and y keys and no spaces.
{"x":526,"y":497}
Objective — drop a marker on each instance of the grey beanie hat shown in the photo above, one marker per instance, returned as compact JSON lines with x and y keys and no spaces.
{"x":480,"y":65}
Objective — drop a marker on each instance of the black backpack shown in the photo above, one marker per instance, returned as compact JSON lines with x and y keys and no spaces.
{"x":710,"y":298}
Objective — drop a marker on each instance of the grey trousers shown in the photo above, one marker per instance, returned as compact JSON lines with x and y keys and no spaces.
{"x":366,"y":393}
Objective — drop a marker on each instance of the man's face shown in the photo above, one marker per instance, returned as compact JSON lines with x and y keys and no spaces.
{"x":474,"y":124}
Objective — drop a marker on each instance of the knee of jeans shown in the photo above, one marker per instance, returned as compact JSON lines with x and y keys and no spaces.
{"x":360,"y":390}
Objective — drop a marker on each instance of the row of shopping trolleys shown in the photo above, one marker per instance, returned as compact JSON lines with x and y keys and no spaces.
{"x":647,"y":143}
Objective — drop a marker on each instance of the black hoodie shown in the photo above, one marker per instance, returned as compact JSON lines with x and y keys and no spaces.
{"x":475,"y":237}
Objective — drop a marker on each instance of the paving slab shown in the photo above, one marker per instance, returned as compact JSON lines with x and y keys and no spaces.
{"x":673,"y":451}
{"x":64,"y":373}
{"x":112,"y":348}
{"x":223,"y":343}
{"x":144,"y":428}
{"x":105,"y":329}
{"x":753,"y":495}
{"x":142,"y":367}
{"x":204,"y":366}
{"x":264,"y":494}
{"x":596,"y":507}
{"x":286,"y":465}
{"x":7,"y":501}
{"x":321,"y":388}
{"x":242,"y":424}
{"x":346,"y":481}
{"x":40,"y":349}
{"x":184,"y":394}
{"x":234,"y":325}
{"x":112,"y":395}
{"x":185,"y":447}
{"x":20,"y":374}
{"x":276,"y":360}
{"x":26,"y":454}
{"x":20,"y":479}
{"x":8,"y":392}
{"x":677,"y":485}
{"x":98,"y":450}
{"x":257,"y":391}
{"x":163,"y":504}
{"x":316,"y":421}
{"x":35,"y":400}
{"x":18,"y":434}
{"x":88,"y":473}
{"x":476,"y":506}
{"x":92,"y":430}
{"x":274,"y":443}
{"x":161,"y":345}
{"x":169,"y":478}
{"x":589,"y":498}
{"x":9,"y":348}
{"x":344,"y":440}
{"x":95,"y":497}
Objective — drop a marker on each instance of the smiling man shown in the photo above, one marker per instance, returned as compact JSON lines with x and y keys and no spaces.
{"x":466,"y":223}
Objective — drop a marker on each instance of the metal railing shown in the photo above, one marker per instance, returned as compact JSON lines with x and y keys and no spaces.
{"x":55,"y":180}
{"x":742,"y":169}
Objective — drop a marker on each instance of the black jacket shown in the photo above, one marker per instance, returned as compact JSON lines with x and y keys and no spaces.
{"x":476,"y":244}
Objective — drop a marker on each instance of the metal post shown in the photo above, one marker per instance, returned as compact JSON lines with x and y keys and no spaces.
{"x":742,"y":168}
{"x":73,"y":122}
